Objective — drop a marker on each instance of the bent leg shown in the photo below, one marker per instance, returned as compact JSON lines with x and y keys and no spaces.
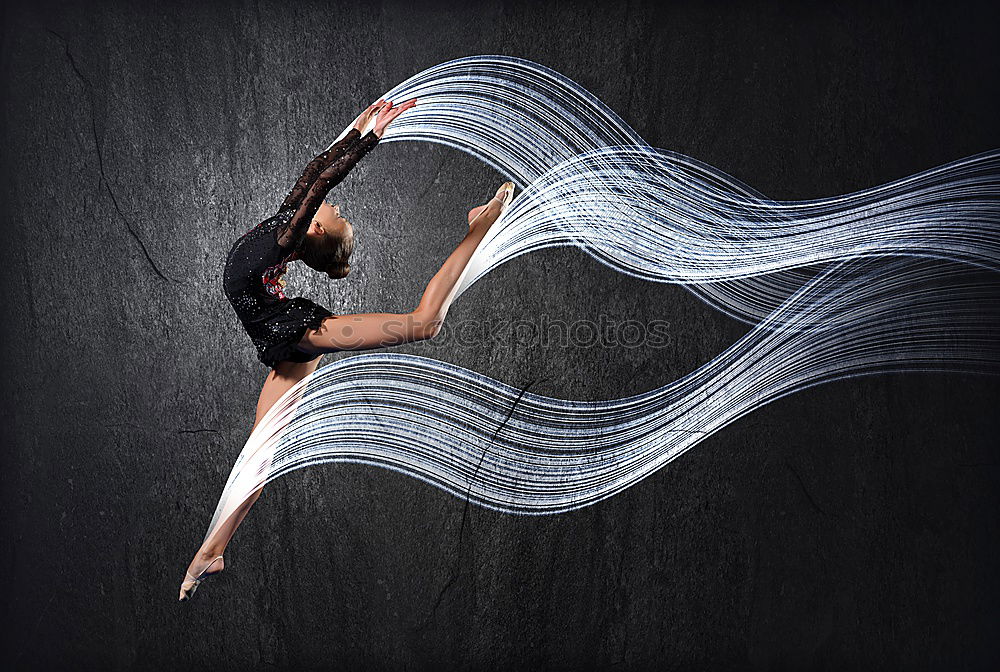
{"x":363,"y":331}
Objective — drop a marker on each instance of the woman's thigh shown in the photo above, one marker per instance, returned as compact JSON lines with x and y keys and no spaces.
{"x":282,"y":378}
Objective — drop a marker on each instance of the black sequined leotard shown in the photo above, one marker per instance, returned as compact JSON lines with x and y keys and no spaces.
{"x":256,"y":262}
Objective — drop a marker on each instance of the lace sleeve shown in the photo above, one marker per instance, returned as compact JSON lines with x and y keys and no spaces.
{"x":290,"y":235}
{"x":317,"y":166}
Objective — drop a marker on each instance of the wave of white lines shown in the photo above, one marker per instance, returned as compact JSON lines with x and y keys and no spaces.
{"x":888,"y":279}
{"x":592,"y":181}
{"x":524,"y":453}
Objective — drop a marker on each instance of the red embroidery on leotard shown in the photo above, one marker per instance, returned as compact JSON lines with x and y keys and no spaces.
{"x":273,"y":281}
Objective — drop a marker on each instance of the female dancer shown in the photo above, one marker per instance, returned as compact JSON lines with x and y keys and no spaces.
{"x":291,"y":334}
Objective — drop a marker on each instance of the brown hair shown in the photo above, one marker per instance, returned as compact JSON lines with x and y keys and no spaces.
{"x":328,"y":254}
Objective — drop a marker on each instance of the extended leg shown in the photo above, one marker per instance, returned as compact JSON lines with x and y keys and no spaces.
{"x":281,"y":379}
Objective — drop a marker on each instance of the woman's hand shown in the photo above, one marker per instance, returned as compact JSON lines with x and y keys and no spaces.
{"x":367,"y":118}
{"x":388,"y":114}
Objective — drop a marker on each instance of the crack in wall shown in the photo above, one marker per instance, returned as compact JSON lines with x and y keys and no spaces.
{"x":88,"y":89}
{"x":465,"y":510}
{"x":805,"y":490}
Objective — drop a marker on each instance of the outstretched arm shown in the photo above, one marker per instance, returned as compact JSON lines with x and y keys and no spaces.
{"x":298,"y":192}
{"x":334,"y":152}
{"x":291,"y":235}
{"x":373,"y":330}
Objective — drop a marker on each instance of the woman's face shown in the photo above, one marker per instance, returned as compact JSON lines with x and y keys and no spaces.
{"x":329,"y":220}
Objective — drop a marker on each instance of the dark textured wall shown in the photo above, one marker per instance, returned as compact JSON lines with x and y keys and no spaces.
{"x":850,"y":526}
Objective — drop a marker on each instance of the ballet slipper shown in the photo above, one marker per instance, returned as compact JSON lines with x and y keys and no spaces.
{"x":504,"y":196}
{"x":191,"y":583}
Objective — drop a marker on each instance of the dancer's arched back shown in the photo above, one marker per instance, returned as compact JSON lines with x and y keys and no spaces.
{"x":292,"y":334}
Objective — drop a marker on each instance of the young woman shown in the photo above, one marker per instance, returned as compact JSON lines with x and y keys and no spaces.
{"x":292,"y":334}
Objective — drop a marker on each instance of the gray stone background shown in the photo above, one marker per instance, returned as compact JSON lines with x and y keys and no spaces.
{"x":850,"y":526}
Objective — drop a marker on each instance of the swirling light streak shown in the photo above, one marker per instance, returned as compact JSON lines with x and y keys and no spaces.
{"x":885,"y":279}
{"x":591,"y":181}
{"x":523,"y":453}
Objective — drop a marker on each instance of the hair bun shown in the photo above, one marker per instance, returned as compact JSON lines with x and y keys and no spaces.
{"x":338,"y":270}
